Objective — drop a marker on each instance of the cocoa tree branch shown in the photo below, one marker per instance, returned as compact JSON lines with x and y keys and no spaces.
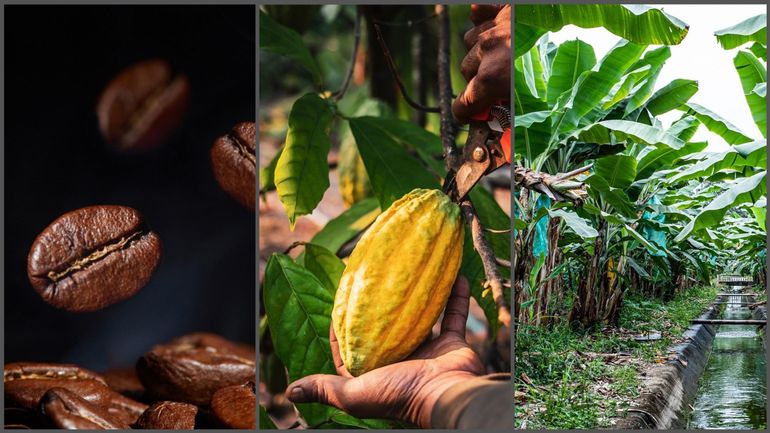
{"x":494,"y":281}
{"x":448,"y":126}
{"x":357,"y":38}
{"x":392,"y":66}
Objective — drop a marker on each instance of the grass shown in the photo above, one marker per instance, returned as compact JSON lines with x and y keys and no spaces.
{"x":571,"y":379}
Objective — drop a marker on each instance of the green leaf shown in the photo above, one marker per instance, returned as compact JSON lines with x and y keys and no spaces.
{"x":284,"y":41}
{"x":639,"y":270}
{"x":618,"y":170}
{"x":752,"y":72}
{"x":572,"y":59}
{"x":629,"y":84}
{"x":265,"y":422}
{"x":473,"y":270}
{"x":603,"y":133}
{"x":663,"y":157}
{"x":412,"y":137}
{"x":347,"y":225}
{"x":717,"y":125}
{"x":530,"y":65}
{"x":636,"y":23}
{"x":745,"y":190}
{"x":647,"y":244}
{"x":526,"y":120}
{"x":344,"y":419}
{"x":655,"y":58}
{"x":684,"y":128}
{"x":753,"y":29}
{"x":672,"y":96}
{"x":299,"y":316}
{"x":759,"y":50}
{"x":302,"y":171}
{"x":526,"y":37}
{"x":579,"y":225}
{"x":326,"y":266}
{"x":534,"y":271}
{"x":752,"y":154}
{"x":267,"y":174}
{"x":595,"y":85}
{"x":392,"y":171}
{"x":612,"y":196}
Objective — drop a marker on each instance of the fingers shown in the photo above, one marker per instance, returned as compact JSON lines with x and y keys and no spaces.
{"x":476,"y":97}
{"x":472,"y":36}
{"x":481,"y":13}
{"x":319,"y":388}
{"x":471,"y":62}
{"x":339,"y":365}
{"x":456,"y":312}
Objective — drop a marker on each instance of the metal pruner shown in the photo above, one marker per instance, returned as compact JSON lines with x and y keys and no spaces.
{"x":487,"y":148}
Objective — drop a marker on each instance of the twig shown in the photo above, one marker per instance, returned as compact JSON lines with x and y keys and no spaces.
{"x":392,"y":66}
{"x":448,"y":127}
{"x":292,"y":246}
{"x":502,"y":262}
{"x":340,"y":93}
{"x":574,"y":172}
{"x":497,"y":231}
{"x":494,"y":281}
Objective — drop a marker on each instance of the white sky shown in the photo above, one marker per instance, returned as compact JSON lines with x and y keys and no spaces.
{"x":699,"y":57}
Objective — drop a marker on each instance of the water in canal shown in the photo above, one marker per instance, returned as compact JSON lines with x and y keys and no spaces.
{"x":732,"y":391}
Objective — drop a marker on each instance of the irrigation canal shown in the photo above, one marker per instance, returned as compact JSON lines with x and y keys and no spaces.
{"x":733,"y":388}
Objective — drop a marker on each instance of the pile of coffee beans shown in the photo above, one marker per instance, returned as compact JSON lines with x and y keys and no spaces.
{"x":196,"y":381}
{"x":97,"y":256}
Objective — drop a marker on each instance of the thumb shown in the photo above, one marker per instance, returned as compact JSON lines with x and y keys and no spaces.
{"x":319,"y":388}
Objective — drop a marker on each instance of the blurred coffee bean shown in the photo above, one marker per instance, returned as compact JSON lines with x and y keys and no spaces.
{"x":142,"y":105}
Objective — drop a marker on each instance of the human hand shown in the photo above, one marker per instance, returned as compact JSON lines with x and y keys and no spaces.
{"x":406,"y":390}
{"x":487,"y":66}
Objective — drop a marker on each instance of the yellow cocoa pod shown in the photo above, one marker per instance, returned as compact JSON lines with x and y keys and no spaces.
{"x":398,"y":280}
{"x":354,"y":181}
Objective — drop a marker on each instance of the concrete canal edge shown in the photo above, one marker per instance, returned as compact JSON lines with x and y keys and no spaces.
{"x":669,"y":388}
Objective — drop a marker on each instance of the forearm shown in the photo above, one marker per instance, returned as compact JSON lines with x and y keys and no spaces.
{"x":480,"y":402}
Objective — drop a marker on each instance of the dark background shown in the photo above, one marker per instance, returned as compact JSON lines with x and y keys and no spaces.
{"x":57,"y":61}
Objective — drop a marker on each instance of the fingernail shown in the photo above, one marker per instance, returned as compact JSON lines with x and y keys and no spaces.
{"x":296,"y":394}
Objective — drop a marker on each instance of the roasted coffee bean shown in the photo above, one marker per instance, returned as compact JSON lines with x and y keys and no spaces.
{"x":234,"y":161}
{"x":191,"y":368}
{"x":168,"y":415}
{"x":236,"y":406}
{"x":142,"y":105}
{"x":25,"y":383}
{"x":69,"y":411}
{"x":124,"y":409}
{"x":126,"y":382}
{"x":93,"y":257}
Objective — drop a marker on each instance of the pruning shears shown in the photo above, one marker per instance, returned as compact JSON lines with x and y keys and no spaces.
{"x":487,"y":148}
